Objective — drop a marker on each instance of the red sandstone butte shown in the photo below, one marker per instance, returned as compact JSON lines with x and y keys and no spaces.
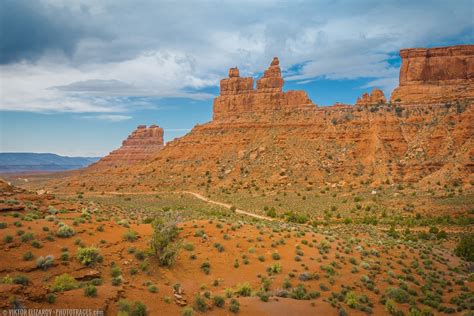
{"x":435,"y":75}
{"x":239,"y":97}
{"x":140,"y":145}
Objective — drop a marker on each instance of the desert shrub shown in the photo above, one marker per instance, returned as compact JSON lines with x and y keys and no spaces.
{"x":115,"y":272}
{"x":65,"y":231}
{"x":219,"y":247}
{"x":188,"y":246}
{"x":206,"y":267}
{"x":8,"y":239}
{"x":274,"y":269}
{"x":90,"y":291}
{"x":3,"y":225}
{"x":244,"y":289}
{"x":164,"y":242}
{"x":28,"y":256}
{"x":21,"y":279}
{"x":88,"y":256}
{"x":130,"y":235}
{"x":187,"y":311}
{"x":51,"y":298}
{"x":64,"y":282}
{"x":234,"y":306}
{"x":138,"y":309}
{"x":465,"y":247}
{"x":398,"y":295}
{"x":45,"y":262}
{"x":152,"y":288}
{"x":200,"y":303}
{"x":276,"y":256}
{"x":219,"y":301}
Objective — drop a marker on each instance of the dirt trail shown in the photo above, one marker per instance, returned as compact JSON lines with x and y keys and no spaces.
{"x":205,"y":199}
{"x":198,"y":196}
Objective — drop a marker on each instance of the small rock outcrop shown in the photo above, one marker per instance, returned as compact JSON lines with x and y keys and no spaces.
{"x":141,"y":144}
{"x":435,"y":75}
{"x":376,"y":97}
{"x":238,"y":96}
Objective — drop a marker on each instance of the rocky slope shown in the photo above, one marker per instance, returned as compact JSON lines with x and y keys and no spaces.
{"x":266,"y":137}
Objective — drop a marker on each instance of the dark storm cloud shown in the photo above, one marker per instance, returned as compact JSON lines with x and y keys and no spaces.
{"x":29,"y":29}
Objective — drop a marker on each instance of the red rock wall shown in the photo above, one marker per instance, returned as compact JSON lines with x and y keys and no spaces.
{"x":435,"y":75}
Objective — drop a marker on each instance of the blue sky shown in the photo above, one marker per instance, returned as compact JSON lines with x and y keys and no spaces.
{"x":77,"y":76}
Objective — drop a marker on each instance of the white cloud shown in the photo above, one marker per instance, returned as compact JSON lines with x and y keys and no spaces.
{"x":161,"y":49}
{"x":108,"y":117}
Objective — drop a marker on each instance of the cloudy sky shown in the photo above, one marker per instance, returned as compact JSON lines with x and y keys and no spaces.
{"x":76,"y":76}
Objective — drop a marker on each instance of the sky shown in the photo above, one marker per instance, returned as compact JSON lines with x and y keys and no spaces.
{"x":77,"y":76}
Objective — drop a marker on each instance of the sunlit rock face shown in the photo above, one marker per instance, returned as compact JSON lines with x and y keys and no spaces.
{"x":435,"y":75}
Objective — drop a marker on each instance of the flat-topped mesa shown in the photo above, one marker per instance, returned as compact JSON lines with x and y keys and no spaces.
{"x":140,"y":145}
{"x":238,"y":96}
{"x":376,"y":97}
{"x":435,"y":75}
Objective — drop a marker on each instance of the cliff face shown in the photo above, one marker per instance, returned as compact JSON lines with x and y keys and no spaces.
{"x":435,"y":75}
{"x":140,"y":145}
{"x":270,"y":138}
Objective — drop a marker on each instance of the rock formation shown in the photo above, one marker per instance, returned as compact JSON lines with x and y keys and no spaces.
{"x":271,"y":138}
{"x":140,"y":145}
{"x":239,"y":98}
{"x":435,"y":75}
{"x":376,"y":97}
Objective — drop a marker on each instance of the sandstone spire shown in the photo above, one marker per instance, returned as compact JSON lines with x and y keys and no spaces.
{"x":271,"y":80}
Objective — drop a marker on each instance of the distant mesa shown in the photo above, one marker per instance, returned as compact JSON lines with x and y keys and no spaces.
{"x":140,"y":145}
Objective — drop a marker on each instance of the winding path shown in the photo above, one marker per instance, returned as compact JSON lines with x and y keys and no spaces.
{"x":205,"y":199}
{"x":200,"y":197}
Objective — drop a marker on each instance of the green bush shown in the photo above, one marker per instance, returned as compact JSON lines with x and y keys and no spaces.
{"x":64,"y":282}
{"x":187,"y":311}
{"x":90,"y":291}
{"x":164,"y":242}
{"x":398,"y":295}
{"x":465,"y":247}
{"x":21,"y":279}
{"x":51,"y":298}
{"x":28,"y":256}
{"x":219,"y":301}
{"x":88,"y":256}
{"x":200,"y":303}
{"x":45,"y":262}
{"x":65,"y":231}
{"x":244,"y":289}
{"x":206,"y":267}
{"x":234,"y":306}
{"x":130,"y":235}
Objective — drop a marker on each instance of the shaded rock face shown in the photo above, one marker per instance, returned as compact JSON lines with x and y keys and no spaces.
{"x":239,"y":98}
{"x":435,"y":75}
{"x":376,"y":97}
{"x":140,"y":145}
